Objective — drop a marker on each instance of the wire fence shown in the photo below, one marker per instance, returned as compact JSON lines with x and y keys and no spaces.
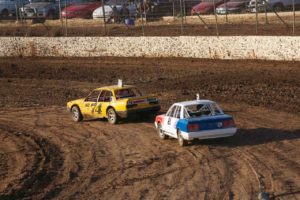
{"x":148,"y":17}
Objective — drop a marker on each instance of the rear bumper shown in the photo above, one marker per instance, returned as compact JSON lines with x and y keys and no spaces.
{"x":218,"y":133}
{"x":127,"y":113}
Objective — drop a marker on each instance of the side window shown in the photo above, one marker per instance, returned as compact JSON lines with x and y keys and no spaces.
{"x":185,"y":114}
{"x":105,"y":96}
{"x":108,"y":95}
{"x":171,"y":111}
{"x":93,"y":96}
{"x":177,"y":112}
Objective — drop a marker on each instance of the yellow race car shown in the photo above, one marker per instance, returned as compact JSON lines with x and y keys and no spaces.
{"x":113,"y":102}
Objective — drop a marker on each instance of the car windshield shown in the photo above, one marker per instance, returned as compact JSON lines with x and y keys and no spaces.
{"x":127,"y":93}
{"x":200,"y":110}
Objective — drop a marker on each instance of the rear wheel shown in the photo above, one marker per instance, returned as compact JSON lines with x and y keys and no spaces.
{"x":182,"y":142}
{"x":112,"y":116}
{"x":76,"y":114}
{"x":161,"y":133}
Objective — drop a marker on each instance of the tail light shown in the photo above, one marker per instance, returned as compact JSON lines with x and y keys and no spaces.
{"x":193,"y":127}
{"x":228,"y":123}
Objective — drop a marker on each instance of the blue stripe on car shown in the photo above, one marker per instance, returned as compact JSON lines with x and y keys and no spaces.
{"x":206,"y":123}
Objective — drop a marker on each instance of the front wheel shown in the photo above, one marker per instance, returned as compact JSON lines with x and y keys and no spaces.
{"x":76,"y":114}
{"x":112,"y":116}
{"x":182,"y":142}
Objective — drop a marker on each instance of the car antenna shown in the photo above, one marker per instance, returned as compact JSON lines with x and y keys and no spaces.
{"x":197,"y":96}
{"x":120,"y":83}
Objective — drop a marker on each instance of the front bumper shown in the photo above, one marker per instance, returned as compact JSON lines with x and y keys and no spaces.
{"x":127,"y":113}
{"x":211,"y":134}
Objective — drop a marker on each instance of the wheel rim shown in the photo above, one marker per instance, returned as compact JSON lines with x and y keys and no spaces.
{"x":111,"y":115}
{"x":75,"y":114}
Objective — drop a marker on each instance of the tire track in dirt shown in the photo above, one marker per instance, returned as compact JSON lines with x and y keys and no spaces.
{"x":44,"y":166}
{"x":94,"y":159}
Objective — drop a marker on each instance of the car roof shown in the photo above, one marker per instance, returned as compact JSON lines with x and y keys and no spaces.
{"x":194,"y":102}
{"x":115,"y":87}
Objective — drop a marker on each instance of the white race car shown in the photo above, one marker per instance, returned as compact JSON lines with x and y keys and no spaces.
{"x":198,"y":119}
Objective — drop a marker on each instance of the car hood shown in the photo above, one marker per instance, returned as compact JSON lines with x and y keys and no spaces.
{"x":82,"y":6}
{"x":38,"y":5}
{"x":232,"y":4}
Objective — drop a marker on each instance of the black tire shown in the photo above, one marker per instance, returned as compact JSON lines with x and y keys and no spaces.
{"x":4,"y":14}
{"x":182,"y":142}
{"x":76,"y":114}
{"x":112,"y":116}
{"x":161,"y":133}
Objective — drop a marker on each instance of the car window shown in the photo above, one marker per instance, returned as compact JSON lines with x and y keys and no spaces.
{"x":171,"y":111}
{"x":93,"y":96}
{"x":177,"y":112}
{"x":198,"y":110}
{"x":105,"y":96}
{"x":216,"y":110}
{"x":185,"y":113}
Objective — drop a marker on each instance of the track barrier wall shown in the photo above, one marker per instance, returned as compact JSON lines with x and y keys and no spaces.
{"x":212,"y":47}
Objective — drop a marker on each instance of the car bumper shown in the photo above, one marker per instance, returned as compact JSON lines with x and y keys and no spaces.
{"x":127,"y":113}
{"x":218,"y":133}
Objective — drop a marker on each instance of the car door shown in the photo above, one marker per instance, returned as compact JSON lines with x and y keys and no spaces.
{"x":105,"y":99}
{"x":171,"y":120}
{"x":90,"y":102}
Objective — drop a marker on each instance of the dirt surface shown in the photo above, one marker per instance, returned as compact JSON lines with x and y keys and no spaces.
{"x":151,"y":30}
{"x":44,"y":155}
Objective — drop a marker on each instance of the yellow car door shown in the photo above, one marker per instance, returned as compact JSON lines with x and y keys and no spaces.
{"x":89,"y":106}
{"x":104,"y":101}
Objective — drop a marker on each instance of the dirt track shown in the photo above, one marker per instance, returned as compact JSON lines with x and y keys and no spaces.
{"x":44,"y":155}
